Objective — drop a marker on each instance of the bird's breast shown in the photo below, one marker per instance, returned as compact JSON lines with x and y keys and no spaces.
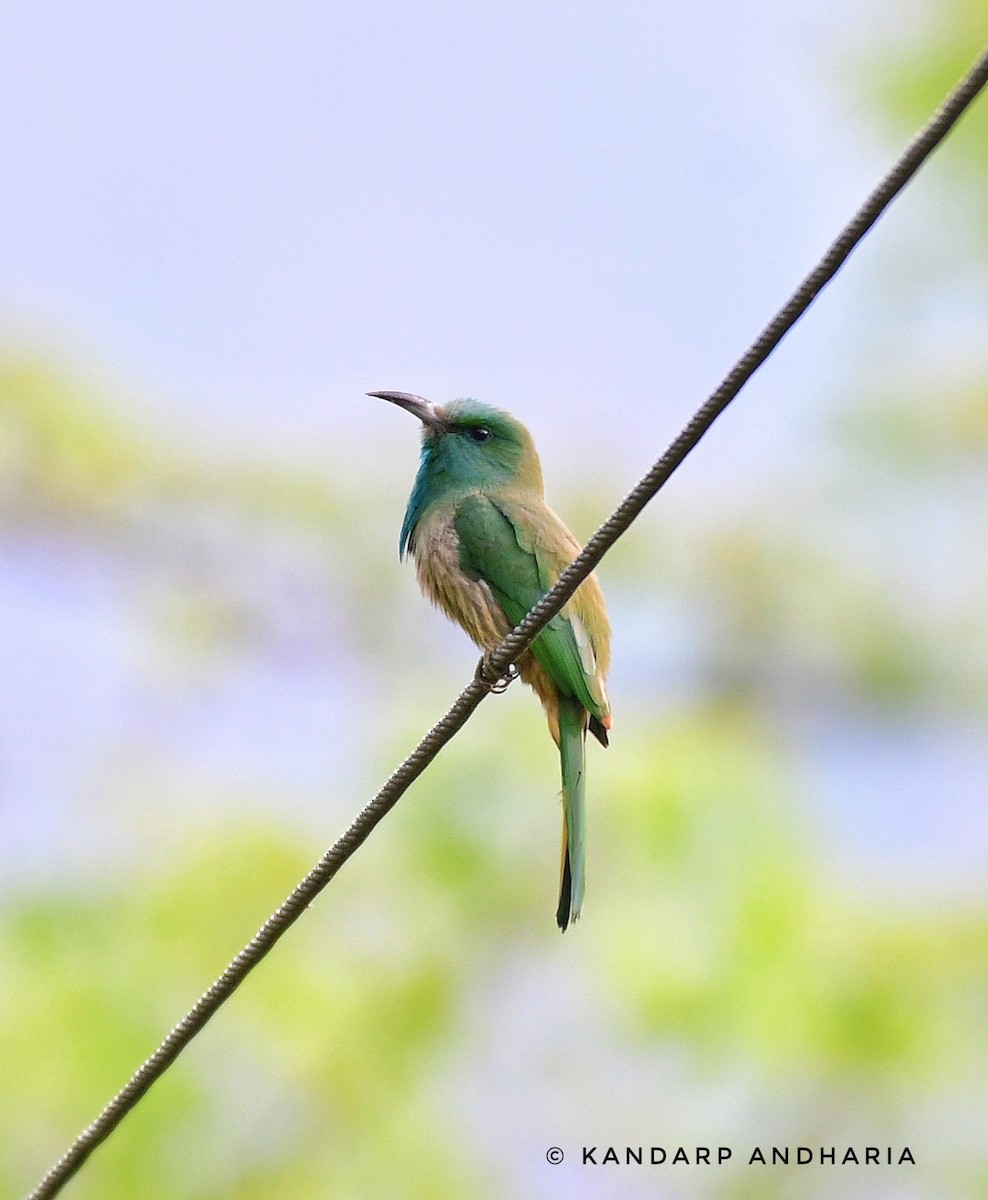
{"x":469,"y":602}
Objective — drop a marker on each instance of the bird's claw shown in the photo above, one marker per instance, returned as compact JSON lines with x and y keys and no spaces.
{"x":492,"y":679}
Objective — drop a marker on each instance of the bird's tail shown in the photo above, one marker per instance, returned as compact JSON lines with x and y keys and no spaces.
{"x":572,"y":746}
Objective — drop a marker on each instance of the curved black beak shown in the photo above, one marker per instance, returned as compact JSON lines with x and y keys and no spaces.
{"x":425,"y":410}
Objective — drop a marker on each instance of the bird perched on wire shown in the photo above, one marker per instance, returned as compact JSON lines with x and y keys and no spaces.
{"x":487,"y":547}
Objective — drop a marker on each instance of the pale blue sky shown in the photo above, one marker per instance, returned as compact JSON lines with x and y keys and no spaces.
{"x":254,"y":212}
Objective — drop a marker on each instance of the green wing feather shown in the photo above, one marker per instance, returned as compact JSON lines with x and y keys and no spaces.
{"x":496,"y":546}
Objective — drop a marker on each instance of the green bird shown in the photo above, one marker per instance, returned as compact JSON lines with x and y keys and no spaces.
{"x":486,"y":548}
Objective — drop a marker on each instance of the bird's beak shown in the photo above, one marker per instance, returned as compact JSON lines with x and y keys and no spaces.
{"x":423,"y":409}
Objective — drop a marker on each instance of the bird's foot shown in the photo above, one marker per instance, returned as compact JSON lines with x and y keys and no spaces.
{"x":491,"y":678}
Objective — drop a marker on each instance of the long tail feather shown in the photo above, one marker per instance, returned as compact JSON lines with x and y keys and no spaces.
{"x":572,"y":746}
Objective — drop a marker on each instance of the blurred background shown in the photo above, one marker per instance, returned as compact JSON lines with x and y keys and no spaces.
{"x":223,"y":224}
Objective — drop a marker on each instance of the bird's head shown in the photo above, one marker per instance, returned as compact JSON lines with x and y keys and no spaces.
{"x":467,"y":444}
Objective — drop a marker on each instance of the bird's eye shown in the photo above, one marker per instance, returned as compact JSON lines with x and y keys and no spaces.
{"x":479,"y":434}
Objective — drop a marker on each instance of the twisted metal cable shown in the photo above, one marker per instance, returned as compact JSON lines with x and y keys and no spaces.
{"x":495,"y":665}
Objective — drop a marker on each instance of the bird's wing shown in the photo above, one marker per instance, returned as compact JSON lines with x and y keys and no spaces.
{"x":497,"y":545}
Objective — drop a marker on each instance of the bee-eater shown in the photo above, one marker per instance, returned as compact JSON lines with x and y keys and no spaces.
{"x":486,"y":548}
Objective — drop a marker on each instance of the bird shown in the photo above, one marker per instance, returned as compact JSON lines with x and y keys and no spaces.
{"x":486,"y":548}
